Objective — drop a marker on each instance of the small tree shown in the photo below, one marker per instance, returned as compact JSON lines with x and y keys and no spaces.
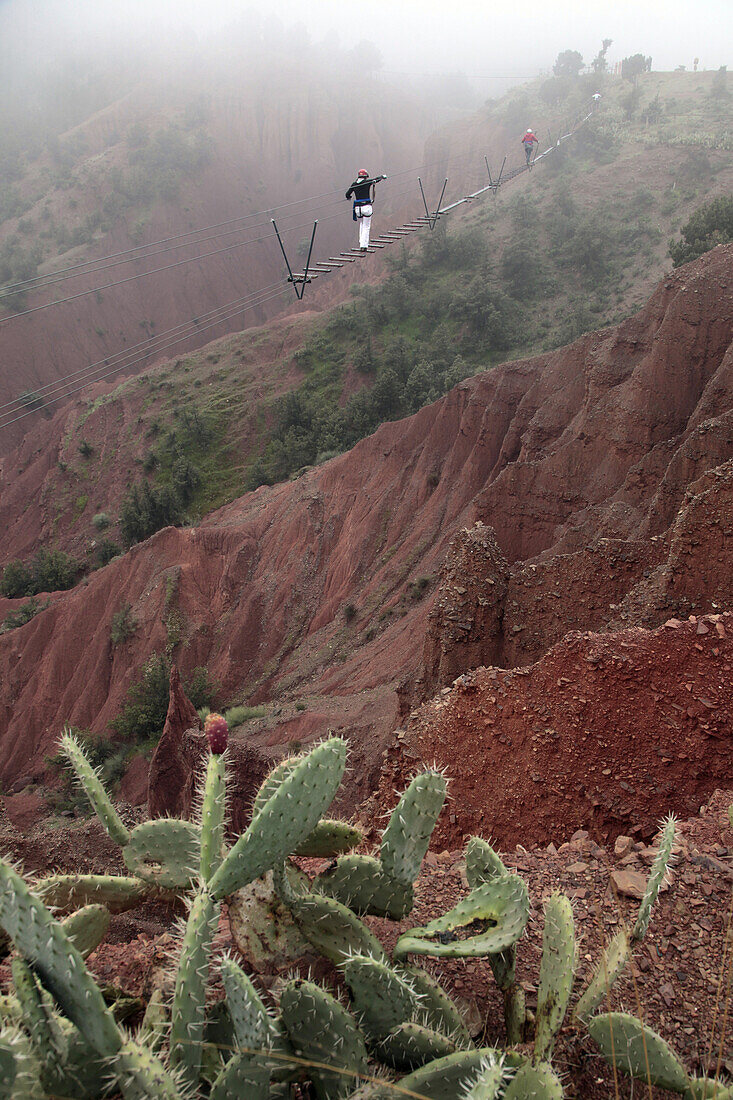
{"x":569,"y":63}
{"x":632,"y":67}
{"x":599,"y":64}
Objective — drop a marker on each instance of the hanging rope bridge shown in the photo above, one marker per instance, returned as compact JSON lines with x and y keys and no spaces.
{"x":68,"y":385}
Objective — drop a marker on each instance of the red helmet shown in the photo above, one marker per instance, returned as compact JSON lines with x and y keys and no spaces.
{"x":362,"y":172}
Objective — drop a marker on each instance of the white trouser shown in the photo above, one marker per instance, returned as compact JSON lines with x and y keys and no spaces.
{"x":364,"y":218}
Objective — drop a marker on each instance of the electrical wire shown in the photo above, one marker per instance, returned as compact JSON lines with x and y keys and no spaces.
{"x":73,"y":271}
{"x":53,"y":385}
{"x":122,"y":366}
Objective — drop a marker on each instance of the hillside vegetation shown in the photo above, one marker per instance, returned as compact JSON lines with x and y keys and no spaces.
{"x":578,"y":244}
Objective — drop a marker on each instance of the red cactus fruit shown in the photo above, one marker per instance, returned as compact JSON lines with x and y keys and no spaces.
{"x":217,"y":732}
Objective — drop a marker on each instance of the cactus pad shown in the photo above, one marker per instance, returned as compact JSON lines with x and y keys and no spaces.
{"x":556,"y":974}
{"x":164,"y":852}
{"x":324,"y":1034}
{"x":496,"y":914}
{"x":213,"y":807}
{"x":254,"y":1030}
{"x":242,"y":1077}
{"x":57,"y":963}
{"x":406,"y":838}
{"x":263,"y":929}
{"x":361,"y":883}
{"x":482,"y":862}
{"x":382,"y":997}
{"x":612,"y":962}
{"x":289,"y":814}
{"x":116,"y":892}
{"x":189,"y":1002}
{"x":329,"y":839}
{"x":444,"y":1078}
{"x":539,"y":1082}
{"x":410,"y":1045}
{"x":656,"y":878}
{"x":94,"y":788}
{"x":638,"y":1051}
{"x":87,"y":927}
{"x":333,"y":929}
{"x":141,"y":1075}
{"x":436,"y":1007}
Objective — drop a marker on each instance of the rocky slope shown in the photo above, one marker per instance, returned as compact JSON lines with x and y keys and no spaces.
{"x":309,"y":592}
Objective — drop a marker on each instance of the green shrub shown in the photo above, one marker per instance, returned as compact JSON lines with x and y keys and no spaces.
{"x":145,"y":510}
{"x":709,"y":226}
{"x":106,"y":551}
{"x":101,"y":521}
{"x":85,"y":449}
{"x":143,"y":716}
{"x":23,"y":614}
{"x":235,"y":716}
{"x":48,"y":571}
{"x":123,"y":626}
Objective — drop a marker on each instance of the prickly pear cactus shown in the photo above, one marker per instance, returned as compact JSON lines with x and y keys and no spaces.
{"x":289,"y":814}
{"x":406,"y":838}
{"x":326,"y":1036}
{"x":656,"y":877}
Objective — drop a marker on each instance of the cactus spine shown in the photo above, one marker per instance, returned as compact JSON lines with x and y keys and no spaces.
{"x":556,"y":974}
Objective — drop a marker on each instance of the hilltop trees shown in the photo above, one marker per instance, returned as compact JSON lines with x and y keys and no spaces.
{"x":632,"y":67}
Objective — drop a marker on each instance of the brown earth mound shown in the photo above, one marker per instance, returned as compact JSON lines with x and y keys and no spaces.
{"x":598,"y":467}
{"x":606,"y":731}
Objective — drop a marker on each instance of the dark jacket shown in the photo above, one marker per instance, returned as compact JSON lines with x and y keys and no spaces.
{"x":362,"y":190}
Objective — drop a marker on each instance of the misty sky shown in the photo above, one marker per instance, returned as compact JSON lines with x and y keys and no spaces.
{"x":515,"y":39}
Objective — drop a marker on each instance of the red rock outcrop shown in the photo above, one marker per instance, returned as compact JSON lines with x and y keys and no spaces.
{"x":593,"y":442}
{"x":606,"y":732}
{"x":169,"y":779}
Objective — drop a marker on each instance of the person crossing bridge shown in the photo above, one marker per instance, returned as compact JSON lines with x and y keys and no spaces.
{"x":363,"y":189}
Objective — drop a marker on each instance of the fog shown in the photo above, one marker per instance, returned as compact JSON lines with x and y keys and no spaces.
{"x":495,"y":45}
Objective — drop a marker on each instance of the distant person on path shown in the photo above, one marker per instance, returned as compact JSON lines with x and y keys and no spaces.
{"x":363,"y":189}
{"x":529,"y":141}
{"x":596,"y":97}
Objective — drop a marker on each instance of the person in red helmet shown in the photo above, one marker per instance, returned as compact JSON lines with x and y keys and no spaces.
{"x":363,"y":189}
{"x":529,"y":141}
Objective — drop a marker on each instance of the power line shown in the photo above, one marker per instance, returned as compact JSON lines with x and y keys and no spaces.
{"x":90,"y":374}
{"x":255,"y":298}
{"x":73,"y":271}
{"x":50,"y":386}
{"x":121,"y":366}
